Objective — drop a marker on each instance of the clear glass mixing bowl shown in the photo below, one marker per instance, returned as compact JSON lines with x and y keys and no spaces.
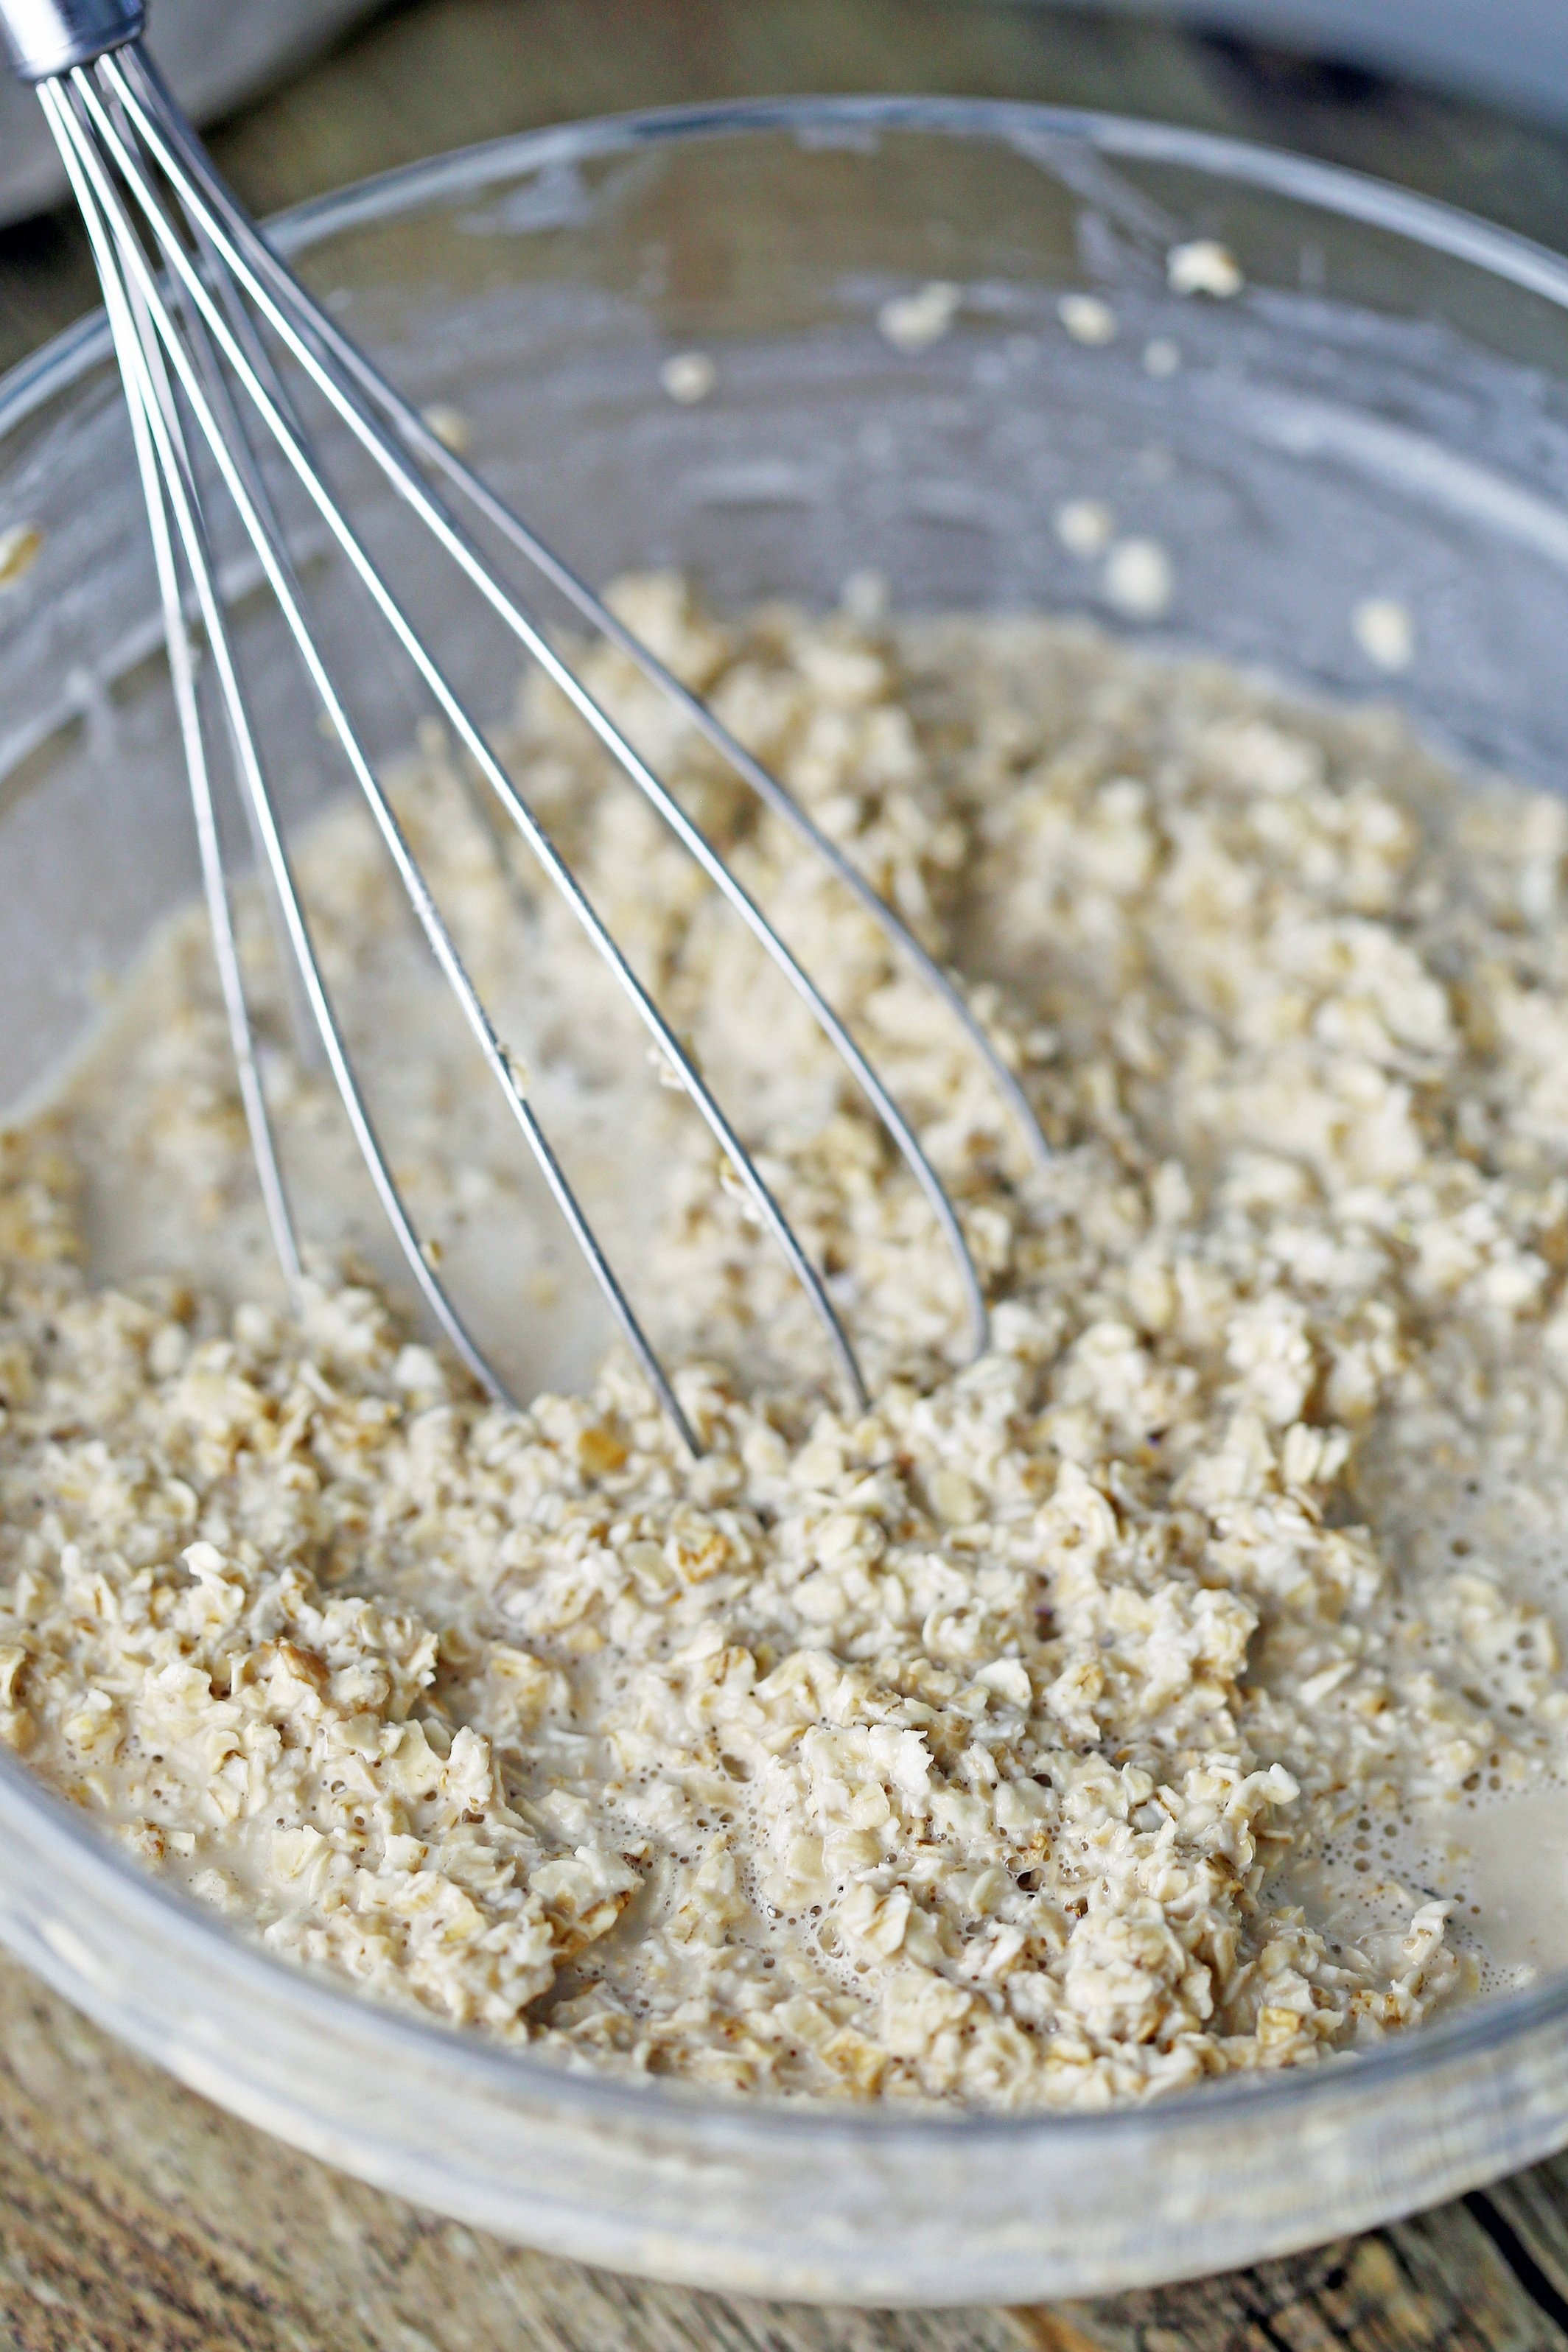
{"x":1382,"y":413}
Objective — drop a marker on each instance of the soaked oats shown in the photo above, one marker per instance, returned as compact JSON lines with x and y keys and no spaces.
{"x":981,"y":1746}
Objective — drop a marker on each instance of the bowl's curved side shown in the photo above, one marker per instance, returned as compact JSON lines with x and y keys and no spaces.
{"x":878,"y":2208}
{"x":783,"y":2201}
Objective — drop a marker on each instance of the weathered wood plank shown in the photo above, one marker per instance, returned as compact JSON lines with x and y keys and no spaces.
{"x":134,"y":2217}
{"x":1440,"y":2283}
{"x":1527,"y":2219}
{"x":133,"y":2214}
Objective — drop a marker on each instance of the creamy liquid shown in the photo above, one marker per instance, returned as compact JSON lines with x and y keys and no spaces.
{"x":153,"y":1130}
{"x":1499,"y":1858}
{"x":1499,"y":1855}
{"x":1501,"y":1863}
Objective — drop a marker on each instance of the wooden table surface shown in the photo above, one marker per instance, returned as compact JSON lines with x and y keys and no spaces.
{"x":132,"y":2214}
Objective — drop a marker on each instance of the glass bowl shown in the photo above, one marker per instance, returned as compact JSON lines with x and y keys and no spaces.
{"x":1381,"y":413}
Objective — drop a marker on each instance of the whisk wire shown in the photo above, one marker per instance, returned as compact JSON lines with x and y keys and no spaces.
{"x":302,"y":1029}
{"x":126,"y":252}
{"x":189,"y":285}
{"x":463,"y":724}
{"x":145,"y":383}
{"x":418,"y":434}
{"x":395,"y":465}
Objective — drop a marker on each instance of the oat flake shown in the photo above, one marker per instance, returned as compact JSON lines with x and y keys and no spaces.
{"x":961,"y":1749}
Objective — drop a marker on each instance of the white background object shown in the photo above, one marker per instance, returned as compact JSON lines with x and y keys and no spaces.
{"x":1511,"y":52}
{"x":216,"y":52}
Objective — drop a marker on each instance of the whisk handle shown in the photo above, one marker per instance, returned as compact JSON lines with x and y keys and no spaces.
{"x":46,"y":37}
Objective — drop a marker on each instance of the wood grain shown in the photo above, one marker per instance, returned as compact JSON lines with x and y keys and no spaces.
{"x":134,"y":2217}
{"x":1437,"y":2283}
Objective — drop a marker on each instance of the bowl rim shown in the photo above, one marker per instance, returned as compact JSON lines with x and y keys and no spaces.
{"x":1031,"y":130}
{"x":1441,"y":228}
{"x":167,"y":1911}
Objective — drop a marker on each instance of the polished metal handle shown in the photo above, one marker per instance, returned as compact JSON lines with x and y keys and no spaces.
{"x":46,"y":37}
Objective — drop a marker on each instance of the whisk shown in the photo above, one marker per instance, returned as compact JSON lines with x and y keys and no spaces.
{"x":210,"y":328}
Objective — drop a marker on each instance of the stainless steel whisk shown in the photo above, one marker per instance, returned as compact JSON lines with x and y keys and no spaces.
{"x":205,"y":315}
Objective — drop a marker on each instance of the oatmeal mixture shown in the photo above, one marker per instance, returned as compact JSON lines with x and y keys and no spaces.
{"x":1034,"y":1737}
